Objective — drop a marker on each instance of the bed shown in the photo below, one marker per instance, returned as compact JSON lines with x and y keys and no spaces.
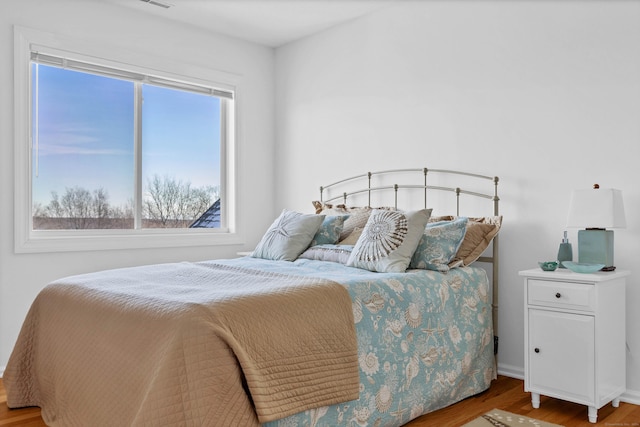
{"x":349,"y":316}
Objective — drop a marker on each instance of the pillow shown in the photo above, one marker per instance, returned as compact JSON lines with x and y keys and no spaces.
{"x":319,"y":206}
{"x":480,"y":233}
{"x":329,"y":231}
{"x":357,"y":219}
{"x":322,"y":207}
{"x":439,"y":244}
{"x":358,"y":216}
{"x":352,"y":238}
{"x":331,"y":253}
{"x":288,"y":236}
{"x":442,"y":218}
{"x":388,"y":240}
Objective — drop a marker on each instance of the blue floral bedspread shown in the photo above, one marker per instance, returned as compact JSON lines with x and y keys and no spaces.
{"x":425,"y":341}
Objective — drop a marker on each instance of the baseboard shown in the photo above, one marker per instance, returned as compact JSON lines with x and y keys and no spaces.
{"x":631,"y":396}
{"x":510,"y":371}
{"x":2,"y":371}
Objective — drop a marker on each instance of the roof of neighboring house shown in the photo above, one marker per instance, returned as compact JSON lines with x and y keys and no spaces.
{"x":210,"y":218}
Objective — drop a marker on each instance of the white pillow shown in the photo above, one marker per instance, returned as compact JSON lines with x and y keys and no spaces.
{"x":289,"y":235}
{"x":388,"y":240}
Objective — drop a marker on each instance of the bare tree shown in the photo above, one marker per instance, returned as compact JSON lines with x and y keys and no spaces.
{"x":168,"y":203}
{"x":78,"y":208}
{"x":76,"y":205}
{"x":173,"y":202}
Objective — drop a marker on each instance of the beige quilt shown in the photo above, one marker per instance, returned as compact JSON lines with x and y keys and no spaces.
{"x":188,"y":344}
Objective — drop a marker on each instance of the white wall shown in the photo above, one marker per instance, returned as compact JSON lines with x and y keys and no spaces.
{"x":22,"y":276}
{"x":543,"y":94}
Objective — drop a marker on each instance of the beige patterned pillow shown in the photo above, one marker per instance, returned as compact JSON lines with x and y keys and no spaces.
{"x":441,"y":218}
{"x":480,"y":233}
{"x":352,"y":238}
{"x":357,"y":219}
{"x":319,"y":206}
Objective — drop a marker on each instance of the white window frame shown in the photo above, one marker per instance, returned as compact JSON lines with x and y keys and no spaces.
{"x":27,"y":240}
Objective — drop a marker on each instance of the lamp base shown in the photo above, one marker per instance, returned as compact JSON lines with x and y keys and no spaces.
{"x":596,"y":246}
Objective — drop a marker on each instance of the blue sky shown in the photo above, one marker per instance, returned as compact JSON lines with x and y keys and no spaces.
{"x":86,"y":135}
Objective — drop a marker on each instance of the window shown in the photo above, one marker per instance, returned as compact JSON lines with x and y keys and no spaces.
{"x":84,"y":145}
{"x":120,"y":155}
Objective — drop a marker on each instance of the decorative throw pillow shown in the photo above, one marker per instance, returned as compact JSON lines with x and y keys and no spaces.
{"x":289,"y":235}
{"x":319,"y":206}
{"x":330,"y":230}
{"x":357,"y":219}
{"x":331,"y":253}
{"x":352,"y":238}
{"x":439,"y":244}
{"x":442,"y":218}
{"x":388,"y":240}
{"x":480,"y":233}
{"x":358,"y":216}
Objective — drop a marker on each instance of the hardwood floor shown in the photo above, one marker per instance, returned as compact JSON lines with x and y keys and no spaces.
{"x":508,"y":394}
{"x":505,"y":393}
{"x":28,"y":417}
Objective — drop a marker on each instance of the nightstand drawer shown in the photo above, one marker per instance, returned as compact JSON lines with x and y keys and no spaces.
{"x":574,"y":296}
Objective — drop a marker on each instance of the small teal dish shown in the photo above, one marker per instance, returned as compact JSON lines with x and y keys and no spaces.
{"x":582,"y":267}
{"x":548,"y":265}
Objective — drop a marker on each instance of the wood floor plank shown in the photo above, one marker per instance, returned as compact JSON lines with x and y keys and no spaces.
{"x":505,"y":393}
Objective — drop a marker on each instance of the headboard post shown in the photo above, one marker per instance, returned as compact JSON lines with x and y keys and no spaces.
{"x":496,"y":199}
{"x":395,"y":190}
{"x":369,"y":187}
{"x":424,"y":171}
{"x":495,"y":268}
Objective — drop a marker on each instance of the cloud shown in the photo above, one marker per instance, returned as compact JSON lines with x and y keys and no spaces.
{"x":80,"y":141}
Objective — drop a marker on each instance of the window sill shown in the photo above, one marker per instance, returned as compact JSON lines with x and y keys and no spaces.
{"x":75,"y":241}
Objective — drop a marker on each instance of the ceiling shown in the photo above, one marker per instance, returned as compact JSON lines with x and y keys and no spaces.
{"x":267,"y":22}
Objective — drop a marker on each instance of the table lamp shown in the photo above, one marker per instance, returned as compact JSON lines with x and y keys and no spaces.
{"x":596,"y":211}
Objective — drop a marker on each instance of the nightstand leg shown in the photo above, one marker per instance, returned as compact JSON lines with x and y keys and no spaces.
{"x":615,"y":402}
{"x":593,"y":414}
{"x":535,"y":400}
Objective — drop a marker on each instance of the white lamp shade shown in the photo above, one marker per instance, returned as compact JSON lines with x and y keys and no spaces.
{"x":597,"y":208}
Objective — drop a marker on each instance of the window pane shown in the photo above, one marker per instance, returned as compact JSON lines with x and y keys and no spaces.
{"x":180,"y":158}
{"x":83,"y":139}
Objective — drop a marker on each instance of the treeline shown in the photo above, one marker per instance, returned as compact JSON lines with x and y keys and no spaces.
{"x":167,"y":203}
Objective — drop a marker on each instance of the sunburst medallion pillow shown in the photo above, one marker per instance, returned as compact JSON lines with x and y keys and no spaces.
{"x":388,"y":240}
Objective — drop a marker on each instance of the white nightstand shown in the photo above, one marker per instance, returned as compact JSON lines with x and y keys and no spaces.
{"x":574,"y":337}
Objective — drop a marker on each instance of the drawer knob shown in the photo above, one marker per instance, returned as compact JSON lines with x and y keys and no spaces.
{"x":537,"y":350}
{"x":558,"y":295}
